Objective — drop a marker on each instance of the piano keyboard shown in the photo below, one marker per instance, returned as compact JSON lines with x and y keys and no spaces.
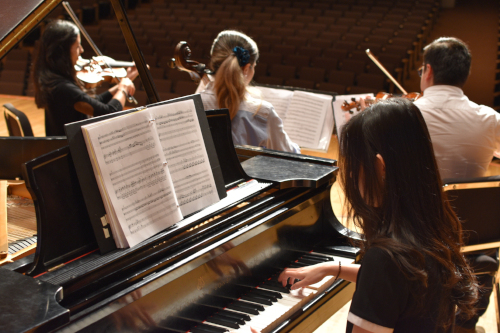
{"x":22,"y":245}
{"x":262,"y":303}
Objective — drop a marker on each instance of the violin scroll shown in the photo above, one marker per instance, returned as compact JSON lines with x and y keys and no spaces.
{"x":182,"y":61}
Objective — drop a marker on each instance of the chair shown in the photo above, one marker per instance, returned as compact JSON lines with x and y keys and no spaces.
{"x":17,"y":122}
{"x":475,"y":202}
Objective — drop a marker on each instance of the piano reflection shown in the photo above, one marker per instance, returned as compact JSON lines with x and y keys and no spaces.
{"x":215,"y":271}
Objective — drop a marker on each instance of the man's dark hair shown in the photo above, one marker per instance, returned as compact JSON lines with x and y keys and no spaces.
{"x":450,"y":60}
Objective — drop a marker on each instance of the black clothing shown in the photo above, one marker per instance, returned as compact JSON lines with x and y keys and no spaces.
{"x":383,"y":297}
{"x":61,"y":106}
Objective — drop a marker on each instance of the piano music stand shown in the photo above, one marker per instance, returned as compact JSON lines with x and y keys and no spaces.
{"x":61,"y":217}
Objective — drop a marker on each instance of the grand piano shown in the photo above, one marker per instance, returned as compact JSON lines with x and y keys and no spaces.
{"x":213,"y":272}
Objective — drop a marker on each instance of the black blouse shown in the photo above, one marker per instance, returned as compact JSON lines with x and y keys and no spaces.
{"x":383,"y":303}
{"x":61,"y":106}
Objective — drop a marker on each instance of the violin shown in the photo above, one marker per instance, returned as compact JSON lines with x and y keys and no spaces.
{"x":91,"y":75}
{"x":348,"y":106}
{"x":182,"y":61}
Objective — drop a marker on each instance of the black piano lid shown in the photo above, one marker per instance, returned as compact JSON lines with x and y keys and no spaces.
{"x":18,"y":18}
{"x":33,"y":296}
{"x":16,"y":150}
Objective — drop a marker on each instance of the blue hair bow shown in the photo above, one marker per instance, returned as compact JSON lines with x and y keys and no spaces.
{"x":242,"y":55}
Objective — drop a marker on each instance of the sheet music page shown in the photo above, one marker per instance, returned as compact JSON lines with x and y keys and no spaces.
{"x":134,"y":176}
{"x":182,"y":141}
{"x":305,"y":118}
{"x":279,"y":98}
{"x":342,"y":116}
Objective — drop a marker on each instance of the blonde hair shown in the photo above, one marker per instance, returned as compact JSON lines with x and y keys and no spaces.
{"x":229,"y":82}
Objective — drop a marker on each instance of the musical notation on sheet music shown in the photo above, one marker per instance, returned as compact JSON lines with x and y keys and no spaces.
{"x":182,"y":141}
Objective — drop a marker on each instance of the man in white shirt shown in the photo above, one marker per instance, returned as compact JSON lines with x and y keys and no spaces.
{"x":464,"y":135}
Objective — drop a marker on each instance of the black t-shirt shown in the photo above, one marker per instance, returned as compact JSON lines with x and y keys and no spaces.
{"x":383,"y":303}
{"x":61,"y":106}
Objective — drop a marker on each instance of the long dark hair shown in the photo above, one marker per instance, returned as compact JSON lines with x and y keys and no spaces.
{"x":53,"y":60}
{"x":406,"y":213}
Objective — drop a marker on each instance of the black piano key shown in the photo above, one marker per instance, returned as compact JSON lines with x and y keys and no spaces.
{"x":309,"y":262}
{"x":160,"y":329}
{"x":276,"y":286}
{"x":250,"y":308}
{"x":296,"y":265}
{"x":267,"y":293}
{"x":177,"y":324}
{"x":214,"y":301}
{"x":258,"y":299}
{"x":318,"y":257}
{"x":239,"y":317}
{"x":204,"y":328}
{"x":31,"y":240}
{"x":15,"y":247}
{"x":224,"y":321}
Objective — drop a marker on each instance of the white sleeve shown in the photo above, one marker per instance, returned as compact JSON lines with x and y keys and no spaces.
{"x":277,"y":138}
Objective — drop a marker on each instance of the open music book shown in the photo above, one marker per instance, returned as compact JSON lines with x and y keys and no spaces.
{"x":307,"y":116}
{"x":151,"y":168}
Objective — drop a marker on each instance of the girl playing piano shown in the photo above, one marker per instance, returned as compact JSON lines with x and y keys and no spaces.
{"x":254,"y":122}
{"x":413,"y":277}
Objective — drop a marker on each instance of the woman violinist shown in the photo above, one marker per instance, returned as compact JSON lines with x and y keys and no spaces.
{"x":57,"y":89}
{"x":413,"y":277}
{"x":254,"y":122}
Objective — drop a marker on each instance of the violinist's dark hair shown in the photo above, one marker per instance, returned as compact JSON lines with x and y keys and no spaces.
{"x":53,"y":60}
{"x":229,"y":82}
{"x":450,"y":60}
{"x":406,"y":213}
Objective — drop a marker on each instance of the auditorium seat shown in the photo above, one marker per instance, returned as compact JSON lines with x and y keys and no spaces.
{"x":341,"y":77}
{"x":363,"y":90}
{"x":282,"y":71}
{"x":353,"y":65}
{"x":184,"y":88}
{"x":336,"y":53}
{"x":309,"y":34}
{"x":11,"y":88}
{"x":270,"y":58}
{"x":284,"y":49}
{"x":296,"y":60}
{"x":376,"y":81}
{"x":163,"y":85}
{"x":333,"y":87}
{"x":306,"y":84}
{"x":310,"y":51}
{"x":312,"y":74}
{"x":261,"y":70}
{"x":270,"y":80}
{"x":322,"y":42}
{"x":324,"y":62}
{"x":295,"y":41}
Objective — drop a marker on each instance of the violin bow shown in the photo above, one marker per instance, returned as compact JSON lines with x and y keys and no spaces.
{"x":94,"y":47}
{"x":375,"y":60}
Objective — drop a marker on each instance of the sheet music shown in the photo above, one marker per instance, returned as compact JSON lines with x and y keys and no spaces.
{"x":279,"y":98}
{"x":341,"y":116}
{"x":305,"y":118}
{"x":133,"y":177}
{"x":182,"y":141}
